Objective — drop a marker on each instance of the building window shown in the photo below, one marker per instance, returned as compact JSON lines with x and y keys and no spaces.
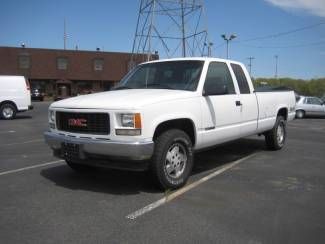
{"x":98,"y":64}
{"x":24,"y":62}
{"x":62,"y":63}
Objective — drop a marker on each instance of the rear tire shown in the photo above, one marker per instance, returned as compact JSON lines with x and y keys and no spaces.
{"x":8,"y":111}
{"x":300,"y":114}
{"x":276,"y":137}
{"x":80,"y":168}
{"x":172,"y":160}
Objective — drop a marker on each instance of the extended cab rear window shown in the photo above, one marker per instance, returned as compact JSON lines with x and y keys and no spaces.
{"x":241,"y":79}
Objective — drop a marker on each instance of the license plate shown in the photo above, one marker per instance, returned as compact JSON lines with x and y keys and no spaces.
{"x":70,"y":151}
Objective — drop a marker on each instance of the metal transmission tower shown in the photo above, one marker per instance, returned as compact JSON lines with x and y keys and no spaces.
{"x":170,"y":27}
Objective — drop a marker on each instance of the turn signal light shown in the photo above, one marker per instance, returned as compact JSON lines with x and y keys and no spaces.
{"x":137,"y":121}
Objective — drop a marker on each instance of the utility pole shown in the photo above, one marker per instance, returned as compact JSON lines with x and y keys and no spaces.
{"x":228,"y":39}
{"x":64,"y":35}
{"x":250,"y":65}
{"x":276,"y":66}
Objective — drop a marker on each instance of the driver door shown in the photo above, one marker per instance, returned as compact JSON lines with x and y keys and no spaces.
{"x":220,"y":112}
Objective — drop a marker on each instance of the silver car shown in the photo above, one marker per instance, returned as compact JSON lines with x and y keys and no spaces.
{"x":309,"y":106}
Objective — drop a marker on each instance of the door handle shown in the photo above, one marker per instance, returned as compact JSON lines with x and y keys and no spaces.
{"x":238,"y":103}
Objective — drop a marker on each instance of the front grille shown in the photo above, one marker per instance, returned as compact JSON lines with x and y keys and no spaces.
{"x":85,"y":123}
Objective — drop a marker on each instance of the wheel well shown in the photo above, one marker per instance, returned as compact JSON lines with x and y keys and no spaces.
{"x":283,"y":112}
{"x":9,"y":102}
{"x":185,"y":125}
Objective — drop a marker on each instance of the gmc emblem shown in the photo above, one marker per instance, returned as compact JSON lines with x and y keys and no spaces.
{"x":77,"y":122}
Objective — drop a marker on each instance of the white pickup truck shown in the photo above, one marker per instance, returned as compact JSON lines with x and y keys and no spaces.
{"x":162,"y":112}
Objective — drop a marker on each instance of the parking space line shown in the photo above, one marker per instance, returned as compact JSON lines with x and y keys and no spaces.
{"x":30,"y":167}
{"x":9,"y":131}
{"x":186,"y":188}
{"x":18,"y":143}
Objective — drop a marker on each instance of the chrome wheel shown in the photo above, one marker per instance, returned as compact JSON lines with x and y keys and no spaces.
{"x":7,"y":112}
{"x":176,"y":159}
{"x":172,"y":160}
{"x":280,"y":134}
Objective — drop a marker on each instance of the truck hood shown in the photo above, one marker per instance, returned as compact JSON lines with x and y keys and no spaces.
{"x":122,"y":99}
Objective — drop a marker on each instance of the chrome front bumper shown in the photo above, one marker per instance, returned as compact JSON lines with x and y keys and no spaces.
{"x":99,"y":147}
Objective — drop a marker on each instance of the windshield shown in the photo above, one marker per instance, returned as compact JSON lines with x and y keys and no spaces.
{"x":175,"y":75}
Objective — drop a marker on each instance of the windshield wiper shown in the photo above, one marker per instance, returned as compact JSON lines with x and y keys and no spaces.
{"x":162,"y":86}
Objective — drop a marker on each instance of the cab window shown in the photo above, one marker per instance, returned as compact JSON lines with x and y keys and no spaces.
{"x":241,"y":79}
{"x":218,"y":75}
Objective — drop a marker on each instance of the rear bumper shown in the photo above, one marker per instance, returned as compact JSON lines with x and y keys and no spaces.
{"x":90,"y":148}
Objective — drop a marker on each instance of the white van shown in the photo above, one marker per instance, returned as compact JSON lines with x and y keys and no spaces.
{"x":14,"y":96}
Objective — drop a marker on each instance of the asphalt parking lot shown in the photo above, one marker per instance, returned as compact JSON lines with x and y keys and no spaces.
{"x":265,"y":197}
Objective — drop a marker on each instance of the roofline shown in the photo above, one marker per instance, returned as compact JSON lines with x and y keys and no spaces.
{"x":11,"y":76}
{"x":67,"y":50}
{"x":194,"y":59}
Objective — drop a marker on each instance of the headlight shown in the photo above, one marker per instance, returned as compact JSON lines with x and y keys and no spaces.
{"x":131,"y":120}
{"x":132,"y":124}
{"x":127,"y":120}
{"x":51,"y":116}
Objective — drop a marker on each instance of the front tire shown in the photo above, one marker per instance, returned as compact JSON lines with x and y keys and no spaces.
{"x":276,"y":137}
{"x":8,"y":111}
{"x":172,"y":160}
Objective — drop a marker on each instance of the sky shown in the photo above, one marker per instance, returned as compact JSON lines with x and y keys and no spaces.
{"x":110,"y":25}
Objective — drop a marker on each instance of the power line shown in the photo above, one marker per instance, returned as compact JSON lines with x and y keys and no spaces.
{"x":275,"y":35}
{"x":289,"y":46}
{"x":278,"y":35}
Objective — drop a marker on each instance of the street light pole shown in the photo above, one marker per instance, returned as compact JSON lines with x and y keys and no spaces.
{"x":228,"y":39}
{"x":209,"y":45}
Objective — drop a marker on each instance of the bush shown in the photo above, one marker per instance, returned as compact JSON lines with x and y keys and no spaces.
{"x":314,"y":87}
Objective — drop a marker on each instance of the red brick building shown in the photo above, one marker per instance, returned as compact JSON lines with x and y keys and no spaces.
{"x":65,"y":72}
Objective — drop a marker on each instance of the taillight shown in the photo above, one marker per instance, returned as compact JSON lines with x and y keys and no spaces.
{"x":27,"y":84}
